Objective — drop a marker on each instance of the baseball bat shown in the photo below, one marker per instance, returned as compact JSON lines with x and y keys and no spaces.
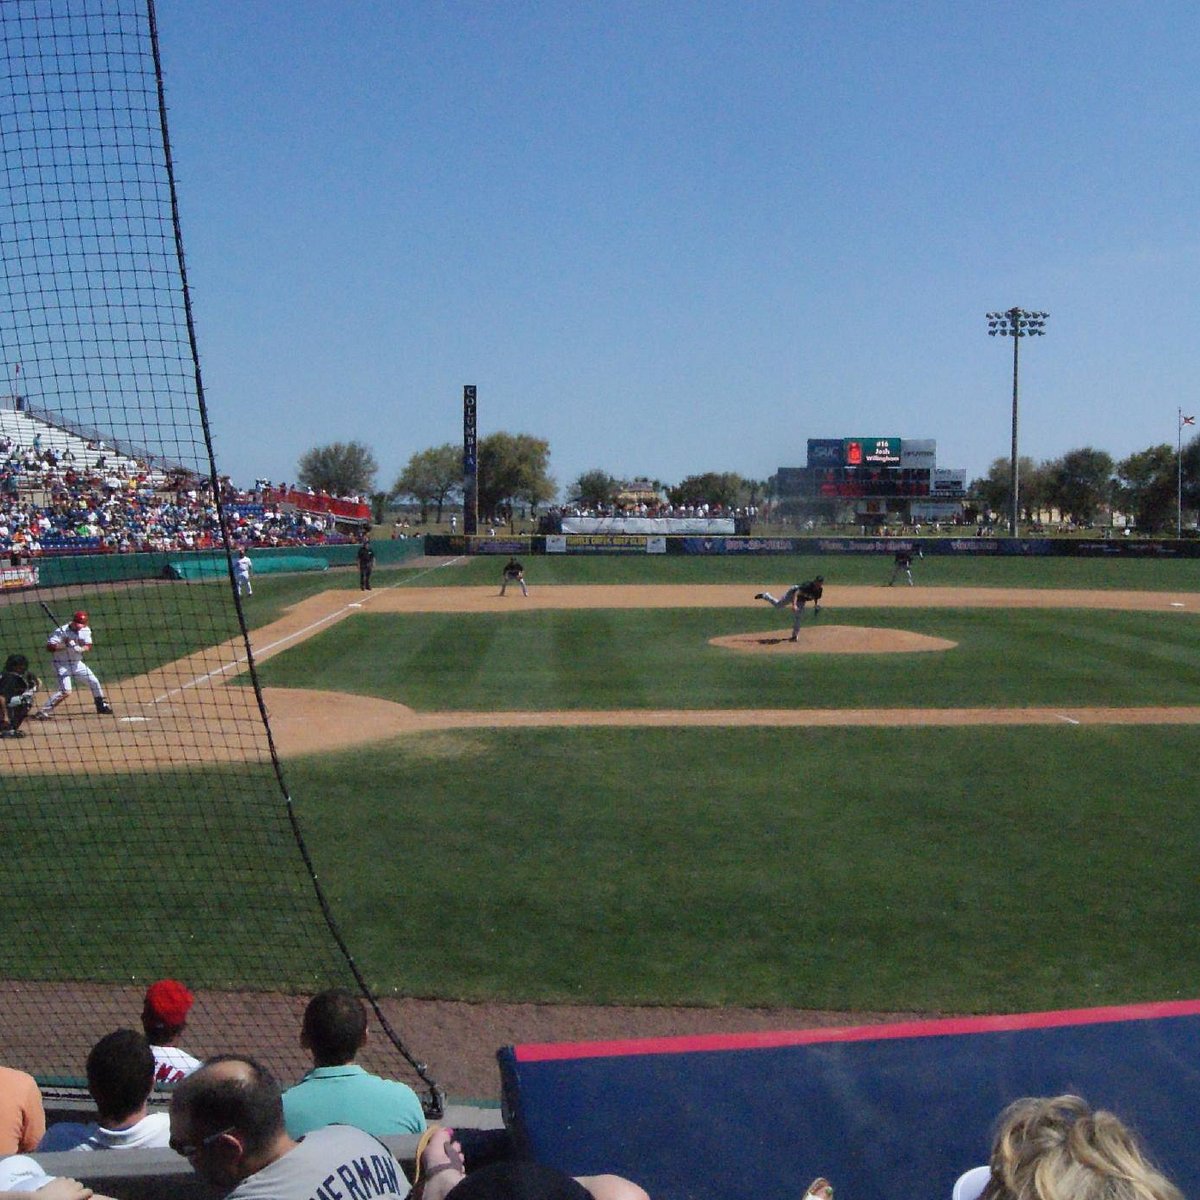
{"x":46,"y":610}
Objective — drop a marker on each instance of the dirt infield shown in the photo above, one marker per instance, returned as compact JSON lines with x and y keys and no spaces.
{"x":835,"y":639}
{"x":186,"y":711}
{"x":456,"y":1041}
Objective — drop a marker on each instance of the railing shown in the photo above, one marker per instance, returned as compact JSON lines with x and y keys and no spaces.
{"x":347,"y":510}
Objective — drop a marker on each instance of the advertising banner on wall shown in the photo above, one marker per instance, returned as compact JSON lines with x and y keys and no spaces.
{"x":872,"y":451}
{"x":934,"y":510}
{"x":662,"y":525}
{"x":604,"y":543}
{"x":826,"y":452}
{"x":13,"y":578}
{"x":918,"y":452}
{"x":948,"y":482}
{"x":740,"y":545}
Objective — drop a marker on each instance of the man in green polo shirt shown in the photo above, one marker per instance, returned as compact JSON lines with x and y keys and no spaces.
{"x":337,"y":1091}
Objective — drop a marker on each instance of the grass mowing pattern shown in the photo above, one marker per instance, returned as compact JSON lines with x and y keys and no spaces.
{"x":614,"y":658}
{"x":938,"y":870}
{"x":212,"y":891}
{"x":935,"y":870}
{"x":952,"y":870}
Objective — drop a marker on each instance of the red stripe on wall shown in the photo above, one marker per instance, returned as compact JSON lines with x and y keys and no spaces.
{"x":767,"y":1040}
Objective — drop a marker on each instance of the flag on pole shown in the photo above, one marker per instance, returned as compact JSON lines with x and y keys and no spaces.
{"x":1186,"y":420}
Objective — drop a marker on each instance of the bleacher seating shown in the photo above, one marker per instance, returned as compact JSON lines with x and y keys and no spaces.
{"x":64,"y":493}
{"x":28,"y":432}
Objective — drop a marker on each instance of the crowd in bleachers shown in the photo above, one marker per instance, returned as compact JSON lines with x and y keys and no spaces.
{"x":61,"y":493}
{"x":661,"y":508}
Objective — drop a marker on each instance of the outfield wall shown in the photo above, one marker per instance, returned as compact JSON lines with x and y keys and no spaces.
{"x":977,"y":547}
{"x":76,"y":569}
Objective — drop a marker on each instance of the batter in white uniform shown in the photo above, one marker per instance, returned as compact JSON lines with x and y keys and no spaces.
{"x":67,"y":645}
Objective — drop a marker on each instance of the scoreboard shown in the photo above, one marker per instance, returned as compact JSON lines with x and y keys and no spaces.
{"x":854,"y":452}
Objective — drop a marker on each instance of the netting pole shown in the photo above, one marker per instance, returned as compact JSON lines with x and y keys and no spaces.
{"x":435,"y":1103}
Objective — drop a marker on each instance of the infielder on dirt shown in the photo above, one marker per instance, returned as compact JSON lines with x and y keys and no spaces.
{"x":513,"y":572}
{"x":795,"y":598}
{"x":67,"y":645}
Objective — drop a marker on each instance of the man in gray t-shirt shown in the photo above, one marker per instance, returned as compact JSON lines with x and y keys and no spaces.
{"x":227,"y":1121}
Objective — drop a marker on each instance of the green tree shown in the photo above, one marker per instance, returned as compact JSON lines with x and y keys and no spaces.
{"x":1146,"y":487}
{"x":431,"y":476}
{"x":595,"y":489}
{"x":514,"y":468}
{"x":341,"y":469}
{"x":994,"y":490}
{"x":725,"y":488}
{"x":1080,"y":483}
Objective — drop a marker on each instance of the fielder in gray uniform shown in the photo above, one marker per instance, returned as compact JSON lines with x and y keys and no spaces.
{"x":795,"y":598}
{"x":514,"y":572}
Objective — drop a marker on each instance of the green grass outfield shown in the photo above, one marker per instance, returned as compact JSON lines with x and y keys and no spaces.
{"x":951,"y":870}
{"x":662,"y":659}
{"x":139,"y":628}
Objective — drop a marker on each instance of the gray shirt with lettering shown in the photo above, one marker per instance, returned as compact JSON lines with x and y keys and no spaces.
{"x":338,"y":1162}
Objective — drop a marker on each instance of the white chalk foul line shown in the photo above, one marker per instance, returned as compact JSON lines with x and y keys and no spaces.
{"x":242,"y":661}
{"x":1064,"y":717}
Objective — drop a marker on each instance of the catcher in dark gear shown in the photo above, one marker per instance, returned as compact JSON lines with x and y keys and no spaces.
{"x":18,"y":686}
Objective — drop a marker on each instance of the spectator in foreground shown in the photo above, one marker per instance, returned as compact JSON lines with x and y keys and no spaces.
{"x":22,"y":1118}
{"x":20,"y":1175}
{"x":1059,"y":1149}
{"x":227,"y":1121}
{"x":164,"y":1018}
{"x":337,"y":1091}
{"x":120,"y":1076}
{"x":442,"y":1172}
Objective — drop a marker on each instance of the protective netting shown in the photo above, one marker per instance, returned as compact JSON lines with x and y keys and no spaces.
{"x":156,"y":840}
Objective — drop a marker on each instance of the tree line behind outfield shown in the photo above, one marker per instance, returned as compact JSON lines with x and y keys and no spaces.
{"x":1087,"y":483}
{"x":514,"y":472}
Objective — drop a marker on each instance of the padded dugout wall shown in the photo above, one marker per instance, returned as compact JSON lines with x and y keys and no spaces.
{"x":882,"y":1111}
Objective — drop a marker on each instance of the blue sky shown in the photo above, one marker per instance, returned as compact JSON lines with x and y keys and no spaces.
{"x":674,"y":238}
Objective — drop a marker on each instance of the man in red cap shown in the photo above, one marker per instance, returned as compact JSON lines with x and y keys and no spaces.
{"x":164,"y":1018}
{"x":67,"y":645}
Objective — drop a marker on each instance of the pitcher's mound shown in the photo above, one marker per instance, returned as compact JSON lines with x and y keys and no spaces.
{"x":835,"y":639}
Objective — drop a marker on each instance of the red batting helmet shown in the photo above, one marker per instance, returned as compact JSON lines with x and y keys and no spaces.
{"x":80,"y":618}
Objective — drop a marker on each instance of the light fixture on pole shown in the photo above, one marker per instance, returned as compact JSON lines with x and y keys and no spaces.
{"x":1016,"y":323}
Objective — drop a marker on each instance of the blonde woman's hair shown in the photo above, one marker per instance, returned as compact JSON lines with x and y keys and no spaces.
{"x":1059,"y":1149}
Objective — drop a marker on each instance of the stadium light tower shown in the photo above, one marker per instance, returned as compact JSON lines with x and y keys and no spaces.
{"x":1016,"y":323}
